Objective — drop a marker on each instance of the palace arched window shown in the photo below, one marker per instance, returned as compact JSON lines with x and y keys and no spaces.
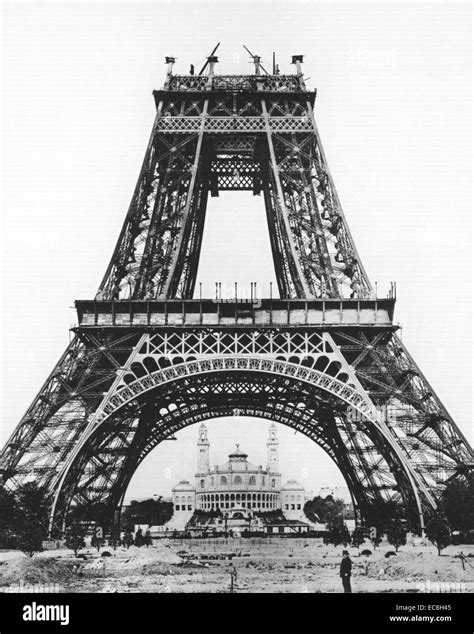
{"x":202,"y":484}
{"x":223,"y":480}
{"x":237,"y":480}
{"x":252,"y":481}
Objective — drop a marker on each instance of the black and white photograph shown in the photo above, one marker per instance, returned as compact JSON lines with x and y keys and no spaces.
{"x":236,"y":316}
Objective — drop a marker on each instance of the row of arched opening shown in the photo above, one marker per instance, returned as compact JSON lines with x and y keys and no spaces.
{"x":238,"y":480}
{"x":150,"y":364}
{"x":257,"y":501}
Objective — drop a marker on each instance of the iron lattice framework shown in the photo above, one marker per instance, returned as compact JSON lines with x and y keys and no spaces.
{"x":147,"y":360}
{"x":215,"y":133}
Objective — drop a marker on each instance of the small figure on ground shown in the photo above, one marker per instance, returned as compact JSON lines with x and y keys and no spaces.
{"x":233,"y":576}
{"x":345,"y":571}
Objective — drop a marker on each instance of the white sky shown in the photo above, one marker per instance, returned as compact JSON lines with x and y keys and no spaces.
{"x":394,"y":112}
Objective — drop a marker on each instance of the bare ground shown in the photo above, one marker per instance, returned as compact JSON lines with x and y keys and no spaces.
{"x":262,"y":565}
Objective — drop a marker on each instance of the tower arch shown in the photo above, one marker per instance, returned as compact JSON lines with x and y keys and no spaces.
{"x":249,"y":386}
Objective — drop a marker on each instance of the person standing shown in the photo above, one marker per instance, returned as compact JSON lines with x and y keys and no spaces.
{"x":345,"y":571}
{"x":233,"y":576}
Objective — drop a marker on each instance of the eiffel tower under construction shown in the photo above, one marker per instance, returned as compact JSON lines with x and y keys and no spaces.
{"x":147,"y":359}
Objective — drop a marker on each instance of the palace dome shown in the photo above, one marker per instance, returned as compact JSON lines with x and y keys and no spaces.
{"x":238,"y":462}
{"x":292,"y":485}
{"x":184,"y":485}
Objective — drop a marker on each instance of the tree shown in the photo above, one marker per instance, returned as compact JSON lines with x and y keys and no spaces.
{"x":458,"y":504}
{"x":147,"y":539}
{"x":324,"y":510}
{"x":381,"y":512}
{"x":139,"y":539}
{"x":97,"y":541}
{"x":375,"y":536}
{"x":114,"y":542}
{"x":396,"y":533}
{"x":75,"y":537}
{"x":31,"y":521}
{"x":24,"y":518}
{"x":337,"y":533}
{"x":114,"y":539}
{"x":153,"y":512}
{"x":8,"y":515}
{"x":128,"y":538}
{"x":345,"y":535}
{"x":358,"y":537}
{"x":95,"y":514}
{"x":438,"y":531}
{"x":31,"y":541}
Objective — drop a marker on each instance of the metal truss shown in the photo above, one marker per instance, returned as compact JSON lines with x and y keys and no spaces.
{"x":239,"y":133}
{"x":57,"y":417}
{"x":111,"y":449}
{"x":143,"y":366}
{"x":106,"y":385}
{"x":244,"y":83}
{"x":225,"y":125}
{"x":413,"y":411}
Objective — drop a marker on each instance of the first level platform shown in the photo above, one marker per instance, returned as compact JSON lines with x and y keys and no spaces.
{"x":259,"y":312}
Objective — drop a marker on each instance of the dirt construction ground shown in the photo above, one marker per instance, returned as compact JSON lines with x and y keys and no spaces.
{"x":261,"y":565}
